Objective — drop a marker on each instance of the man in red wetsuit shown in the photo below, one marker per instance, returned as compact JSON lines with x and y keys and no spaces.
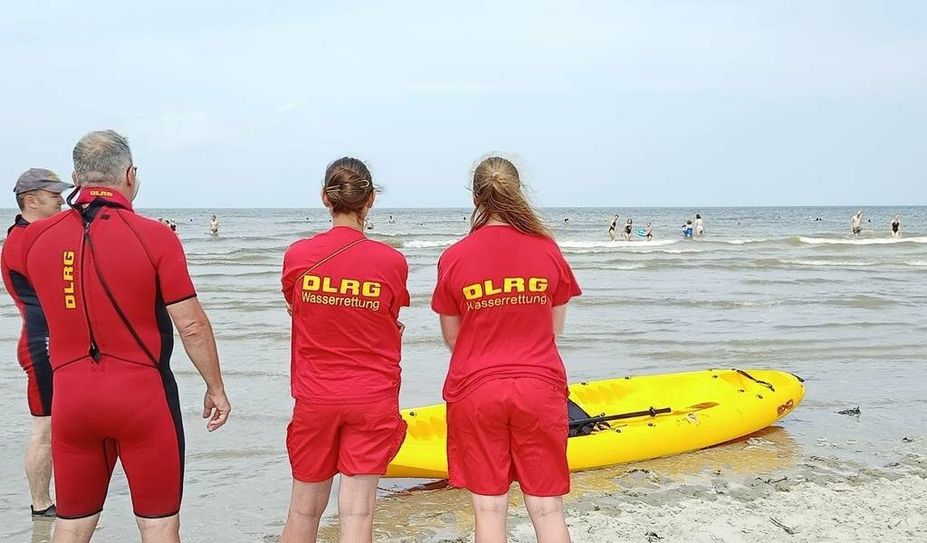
{"x":38,"y":195}
{"x":111,"y":283}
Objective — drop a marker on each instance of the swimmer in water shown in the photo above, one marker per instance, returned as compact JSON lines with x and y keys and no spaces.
{"x":627,"y":229}
{"x":687,"y":230}
{"x":856,"y":223}
{"x":649,"y":235}
{"x":699,"y":225}
{"x":896,"y":227}
{"x":392,"y":220}
{"x":613,"y":228}
{"x":214,"y":225}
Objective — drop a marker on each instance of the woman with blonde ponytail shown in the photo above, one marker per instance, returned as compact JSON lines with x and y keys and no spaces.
{"x":501,"y":294}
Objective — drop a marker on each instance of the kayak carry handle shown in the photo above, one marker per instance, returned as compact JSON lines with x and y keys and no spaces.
{"x":752,"y":378}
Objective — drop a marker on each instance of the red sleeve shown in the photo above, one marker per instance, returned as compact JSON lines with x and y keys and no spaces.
{"x":289,"y":276}
{"x":567,"y":287}
{"x":12,"y":254}
{"x":7,"y":282}
{"x":173,"y":275}
{"x":402,"y":298}
{"x":443,"y":301}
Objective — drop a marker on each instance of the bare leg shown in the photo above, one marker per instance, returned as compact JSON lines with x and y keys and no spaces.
{"x":356,"y":501}
{"x":39,"y":463}
{"x":159,"y":530}
{"x":490,"y":513}
{"x":75,"y":531}
{"x":307,"y":504}
{"x":547,"y":516}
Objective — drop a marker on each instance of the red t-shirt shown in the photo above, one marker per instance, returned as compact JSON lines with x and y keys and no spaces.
{"x":346,"y":344}
{"x":503,"y":284}
{"x":140,"y":260}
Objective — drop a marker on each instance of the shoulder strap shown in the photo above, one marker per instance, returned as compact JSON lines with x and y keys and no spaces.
{"x":329,"y":257}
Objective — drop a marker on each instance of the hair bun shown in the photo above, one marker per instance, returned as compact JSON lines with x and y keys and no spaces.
{"x":348,"y":185}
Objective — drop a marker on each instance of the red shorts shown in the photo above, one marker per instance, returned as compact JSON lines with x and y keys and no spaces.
{"x":109,"y":410}
{"x":350,"y":439}
{"x":39,"y":390}
{"x":511,"y":429}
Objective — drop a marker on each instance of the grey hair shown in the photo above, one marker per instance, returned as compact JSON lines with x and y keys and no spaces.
{"x":101,"y":158}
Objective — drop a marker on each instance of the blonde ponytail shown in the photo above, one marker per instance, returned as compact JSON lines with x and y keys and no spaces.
{"x":497,"y":194}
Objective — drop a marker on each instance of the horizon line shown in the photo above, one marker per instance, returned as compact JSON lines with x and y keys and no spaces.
{"x":695,"y":207}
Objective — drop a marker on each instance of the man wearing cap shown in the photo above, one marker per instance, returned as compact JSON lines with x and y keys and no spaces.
{"x":38,"y":195}
{"x":113,"y":285}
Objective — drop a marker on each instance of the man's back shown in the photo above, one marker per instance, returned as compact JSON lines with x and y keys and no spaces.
{"x":104,"y":280}
{"x":104,"y":277}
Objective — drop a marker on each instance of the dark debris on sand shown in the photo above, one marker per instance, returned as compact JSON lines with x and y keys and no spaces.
{"x":785,"y":528}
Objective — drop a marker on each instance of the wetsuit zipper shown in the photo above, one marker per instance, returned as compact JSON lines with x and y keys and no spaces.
{"x":93,"y":351}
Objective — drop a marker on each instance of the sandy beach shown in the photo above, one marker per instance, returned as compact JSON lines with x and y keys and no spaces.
{"x":751,"y":490}
{"x":818,"y":503}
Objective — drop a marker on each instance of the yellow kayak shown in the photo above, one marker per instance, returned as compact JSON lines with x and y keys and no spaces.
{"x":632,"y":418}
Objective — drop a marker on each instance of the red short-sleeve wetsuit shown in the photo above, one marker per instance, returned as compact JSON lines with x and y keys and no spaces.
{"x":104,"y":277}
{"x":506,"y":386}
{"x":32,"y":349}
{"x":345,"y":292}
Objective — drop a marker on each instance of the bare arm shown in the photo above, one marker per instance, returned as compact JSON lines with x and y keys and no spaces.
{"x":559,"y":319}
{"x":198,"y":340}
{"x":450,"y":327}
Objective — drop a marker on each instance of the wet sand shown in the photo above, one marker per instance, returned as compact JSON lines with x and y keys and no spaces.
{"x":756,"y":489}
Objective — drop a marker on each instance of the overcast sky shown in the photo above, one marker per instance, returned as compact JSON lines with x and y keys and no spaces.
{"x":612,"y":103}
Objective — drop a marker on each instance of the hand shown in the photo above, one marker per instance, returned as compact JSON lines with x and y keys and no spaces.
{"x":216,"y":408}
{"x":402,"y":327}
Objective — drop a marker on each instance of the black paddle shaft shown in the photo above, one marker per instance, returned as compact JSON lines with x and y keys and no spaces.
{"x":606,"y":418}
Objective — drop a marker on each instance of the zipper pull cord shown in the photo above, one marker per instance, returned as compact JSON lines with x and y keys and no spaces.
{"x":93,"y":351}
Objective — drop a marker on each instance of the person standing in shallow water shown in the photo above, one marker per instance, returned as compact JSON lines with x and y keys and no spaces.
{"x":214,"y":225}
{"x":110,"y":342}
{"x":344,"y":292}
{"x":699,"y":225}
{"x":856,"y":224}
{"x":501,"y":295}
{"x":613,"y":228}
{"x":896,"y":227}
{"x":38,"y":195}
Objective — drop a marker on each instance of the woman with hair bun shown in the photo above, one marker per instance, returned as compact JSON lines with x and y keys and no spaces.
{"x":501,"y":294}
{"x":344,"y":293}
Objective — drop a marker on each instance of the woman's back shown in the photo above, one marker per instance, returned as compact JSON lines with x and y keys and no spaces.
{"x":346,"y":344}
{"x":503,"y":283}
